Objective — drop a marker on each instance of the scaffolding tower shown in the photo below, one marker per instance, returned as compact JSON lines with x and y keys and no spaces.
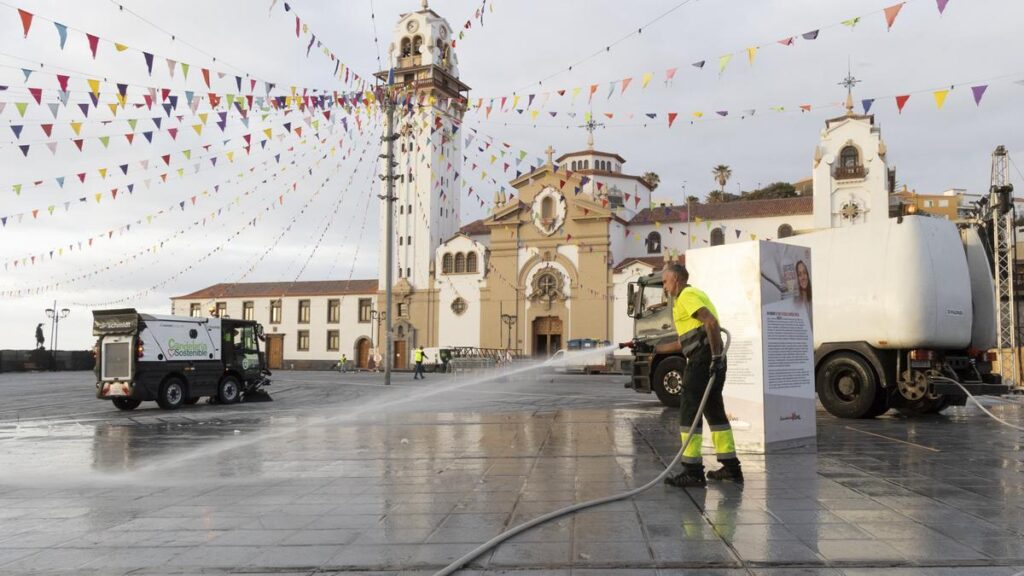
{"x":1004,"y":252}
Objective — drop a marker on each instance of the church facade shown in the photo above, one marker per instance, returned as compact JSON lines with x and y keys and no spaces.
{"x":552,"y":260}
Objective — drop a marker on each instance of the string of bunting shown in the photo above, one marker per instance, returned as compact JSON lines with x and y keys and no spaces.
{"x":129,"y":188}
{"x":341,"y":71}
{"x":158,"y":246}
{"x":667,"y":76}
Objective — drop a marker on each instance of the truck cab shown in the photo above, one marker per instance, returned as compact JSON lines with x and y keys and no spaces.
{"x":176,"y":360}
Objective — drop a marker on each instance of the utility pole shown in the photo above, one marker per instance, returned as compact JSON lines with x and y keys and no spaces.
{"x":1003,"y":239}
{"x":389,"y":197}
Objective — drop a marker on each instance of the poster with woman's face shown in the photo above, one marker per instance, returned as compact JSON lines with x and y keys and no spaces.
{"x":786,"y":274}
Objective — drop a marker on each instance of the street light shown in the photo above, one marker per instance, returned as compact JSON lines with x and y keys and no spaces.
{"x":55,"y":317}
{"x":509,"y":321}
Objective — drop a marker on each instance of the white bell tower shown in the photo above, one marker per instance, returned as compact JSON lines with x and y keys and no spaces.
{"x":428,"y":120}
{"x":852,"y":179}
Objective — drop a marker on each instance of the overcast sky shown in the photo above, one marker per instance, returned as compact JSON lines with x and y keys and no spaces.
{"x":520,"y":42}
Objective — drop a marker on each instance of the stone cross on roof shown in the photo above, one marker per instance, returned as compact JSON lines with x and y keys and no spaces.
{"x":551,"y":153}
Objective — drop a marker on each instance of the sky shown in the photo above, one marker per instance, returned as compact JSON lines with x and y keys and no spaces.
{"x":318,"y":220}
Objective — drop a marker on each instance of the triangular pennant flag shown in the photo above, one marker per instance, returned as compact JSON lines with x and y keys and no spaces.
{"x":866,"y":103}
{"x":699,"y":64}
{"x":149,"y":62}
{"x":723,"y":61}
{"x":851,"y":22}
{"x":940,"y":98}
{"x":646,"y":79}
{"x":942,"y":5}
{"x":62,"y":32}
{"x":901,"y":101}
{"x":890,"y":14}
{"x":812,"y":35}
{"x":120,"y":47}
{"x":94,"y":42}
{"x":978,"y":92}
{"x":22,"y":107}
{"x":672,"y":118}
{"x":26,"y":20}
{"x":751,"y":54}
{"x":786,"y":41}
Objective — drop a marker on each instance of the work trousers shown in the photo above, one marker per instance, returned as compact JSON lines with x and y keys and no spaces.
{"x":695,"y":382}
{"x":419,"y":371}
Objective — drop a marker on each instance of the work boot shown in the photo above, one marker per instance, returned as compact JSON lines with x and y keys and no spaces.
{"x":729,"y":472}
{"x":690,"y":477}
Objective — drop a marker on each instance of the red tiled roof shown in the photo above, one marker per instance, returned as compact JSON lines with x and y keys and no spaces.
{"x":475,"y":228}
{"x":728,"y":210}
{"x":278,"y":289}
{"x":657,"y":262}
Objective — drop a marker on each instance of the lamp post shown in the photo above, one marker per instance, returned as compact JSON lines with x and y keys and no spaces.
{"x":509,"y":321}
{"x":55,"y":317}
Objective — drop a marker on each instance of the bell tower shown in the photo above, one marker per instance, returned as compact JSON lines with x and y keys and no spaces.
{"x":424,"y":73}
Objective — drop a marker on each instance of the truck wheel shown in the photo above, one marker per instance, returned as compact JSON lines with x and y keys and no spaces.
{"x":668,"y":380}
{"x":126,"y":404}
{"x":848,"y":388}
{"x":172,"y":394}
{"x":228,"y":390}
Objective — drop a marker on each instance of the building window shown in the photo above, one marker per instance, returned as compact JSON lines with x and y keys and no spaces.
{"x":927,"y":203}
{"x":408,"y":272}
{"x":943,"y":203}
{"x":406,"y":47}
{"x":573,"y":165}
{"x":408,"y":240}
{"x":333,"y":341}
{"x":222,"y":309}
{"x":717,"y":237}
{"x":403,"y":310}
{"x":365,"y":307}
{"x":303,"y":311}
{"x":458,"y":306}
{"x":785,"y":231}
{"x":333,"y":311}
{"x":401,"y":209}
{"x":275,"y":311}
{"x":401,"y":240}
{"x":653,"y":243}
{"x":849,"y":164}
{"x":446,"y":264}
{"x":195,"y":310}
{"x":547,"y":208}
{"x":460,"y":263}
{"x":302,"y":342}
{"x":471,"y":263}
{"x":248,"y":310}
{"x":417,"y":43}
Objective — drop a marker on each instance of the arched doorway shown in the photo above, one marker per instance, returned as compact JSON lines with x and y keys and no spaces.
{"x":547,"y":335}
{"x":362,"y":354}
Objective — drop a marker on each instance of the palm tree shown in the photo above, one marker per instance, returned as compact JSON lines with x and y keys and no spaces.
{"x":651,"y":179}
{"x":722,"y":174}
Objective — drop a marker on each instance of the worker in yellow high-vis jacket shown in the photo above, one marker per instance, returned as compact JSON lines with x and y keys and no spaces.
{"x":700,"y":341}
{"x":418,"y":357}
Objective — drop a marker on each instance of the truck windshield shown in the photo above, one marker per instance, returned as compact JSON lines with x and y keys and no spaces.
{"x":247,"y":340}
{"x":653,"y":299}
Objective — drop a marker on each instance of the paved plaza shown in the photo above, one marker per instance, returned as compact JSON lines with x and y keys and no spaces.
{"x":343,"y":475}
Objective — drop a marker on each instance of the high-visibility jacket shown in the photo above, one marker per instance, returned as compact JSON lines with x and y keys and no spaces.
{"x":418,"y":356}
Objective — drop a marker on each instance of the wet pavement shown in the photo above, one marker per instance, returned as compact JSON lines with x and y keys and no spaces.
{"x":343,"y":475}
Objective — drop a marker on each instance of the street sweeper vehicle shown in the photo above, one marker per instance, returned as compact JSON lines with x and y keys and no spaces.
{"x":903,"y":310}
{"x":177,"y":360}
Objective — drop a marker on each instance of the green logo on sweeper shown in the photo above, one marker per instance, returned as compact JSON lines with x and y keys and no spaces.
{"x":185,"y":349}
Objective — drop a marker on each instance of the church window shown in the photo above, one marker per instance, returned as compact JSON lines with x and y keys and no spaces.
{"x":401,"y":209}
{"x":785,"y":231}
{"x":653,"y":243}
{"x":460,"y":263}
{"x":849,"y":157}
{"x":400,"y":240}
{"x":417,"y":43}
{"x":547,"y":208}
{"x":408,"y":272}
{"x":717,"y":237}
{"x":458,"y":306}
{"x":586,"y":164}
{"x":406,"y":47}
{"x":471,"y":263}
{"x":446,"y":264}
{"x":408,"y":208}
{"x":547,"y":283}
{"x":408,"y":240}
{"x":573,"y":165}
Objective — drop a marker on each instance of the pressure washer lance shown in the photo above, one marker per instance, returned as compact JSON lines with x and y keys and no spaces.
{"x":471,"y":555}
{"x":985,"y":410}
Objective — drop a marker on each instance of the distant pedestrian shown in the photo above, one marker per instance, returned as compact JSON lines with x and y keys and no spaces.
{"x":343,"y":363}
{"x":377,"y":359}
{"x":418,"y":357}
{"x":39,"y":336}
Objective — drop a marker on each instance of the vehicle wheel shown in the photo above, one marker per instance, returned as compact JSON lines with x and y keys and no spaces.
{"x":922,"y":407}
{"x":172,"y":394}
{"x":848,"y":387}
{"x":668,"y":380}
{"x":126,"y":403}
{"x":228,"y":390}
{"x":192,"y":400}
{"x":881,"y":404}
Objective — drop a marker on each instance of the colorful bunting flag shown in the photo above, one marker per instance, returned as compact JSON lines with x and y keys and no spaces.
{"x":901,"y":101}
{"x":26,"y":20}
{"x":978,"y":92}
{"x":940,"y":98}
{"x":890,"y":14}
{"x":723,"y":61}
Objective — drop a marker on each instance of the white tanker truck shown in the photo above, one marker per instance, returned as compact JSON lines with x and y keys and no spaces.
{"x":900,"y":307}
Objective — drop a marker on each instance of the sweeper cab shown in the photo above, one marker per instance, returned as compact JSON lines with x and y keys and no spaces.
{"x":177,"y":360}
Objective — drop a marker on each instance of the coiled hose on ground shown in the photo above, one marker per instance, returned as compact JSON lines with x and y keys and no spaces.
{"x":474,"y":553}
